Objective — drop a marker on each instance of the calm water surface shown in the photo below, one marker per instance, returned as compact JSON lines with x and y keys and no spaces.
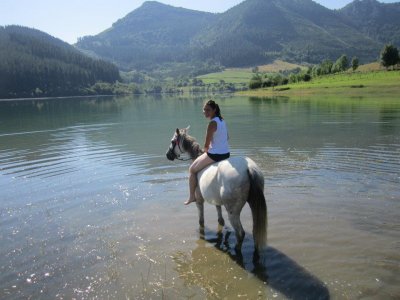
{"x":91,"y":208}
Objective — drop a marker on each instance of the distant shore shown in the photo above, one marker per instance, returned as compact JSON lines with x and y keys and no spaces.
{"x":355,"y":84}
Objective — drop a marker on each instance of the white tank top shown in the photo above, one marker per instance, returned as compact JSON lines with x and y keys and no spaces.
{"x":219,"y":142}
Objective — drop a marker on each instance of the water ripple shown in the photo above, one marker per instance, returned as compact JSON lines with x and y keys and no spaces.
{"x":67,"y":150}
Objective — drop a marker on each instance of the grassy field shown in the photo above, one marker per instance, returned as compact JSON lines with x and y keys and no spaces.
{"x":228,"y":75}
{"x":243,"y":75}
{"x":352,"y":84}
{"x":375,"y":66}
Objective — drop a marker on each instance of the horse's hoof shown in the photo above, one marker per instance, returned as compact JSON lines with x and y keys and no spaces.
{"x":256,"y":256}
{"x":239,"y":255}
{"x":238,"y":248}
{"x":202,"y":232}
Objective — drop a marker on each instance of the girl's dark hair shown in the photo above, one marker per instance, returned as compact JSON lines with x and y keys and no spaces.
{"x":215,"y":106}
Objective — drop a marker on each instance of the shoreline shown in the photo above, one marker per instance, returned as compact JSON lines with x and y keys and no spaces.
{"x":52,"y":98}
{"x":365,"y":91}
{"x":357,"y":84}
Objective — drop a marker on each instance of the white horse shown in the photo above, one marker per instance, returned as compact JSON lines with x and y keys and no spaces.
{"x":231,"y":183}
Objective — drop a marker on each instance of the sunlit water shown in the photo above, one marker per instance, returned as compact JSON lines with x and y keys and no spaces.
{"x":91,"y":208}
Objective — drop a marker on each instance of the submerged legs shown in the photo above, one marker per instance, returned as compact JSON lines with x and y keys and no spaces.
{"x":200,"y":208}
{"x":234,"y":218}
{"x":221,"y":220}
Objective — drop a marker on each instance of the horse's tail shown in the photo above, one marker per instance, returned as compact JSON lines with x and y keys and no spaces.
{"x":258,"y":206}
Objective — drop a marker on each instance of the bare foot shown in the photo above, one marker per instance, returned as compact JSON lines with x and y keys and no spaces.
{"x":189,"y":201}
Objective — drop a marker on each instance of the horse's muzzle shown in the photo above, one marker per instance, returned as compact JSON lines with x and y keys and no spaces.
{"x":170,"y":155}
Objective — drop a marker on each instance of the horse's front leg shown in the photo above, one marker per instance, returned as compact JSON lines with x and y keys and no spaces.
{"x":200,"y":208}
{"x":221,"y":220}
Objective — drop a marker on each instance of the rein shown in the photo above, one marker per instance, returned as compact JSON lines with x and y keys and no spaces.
{"x":178,"y":142}
{"x":183,"y":159}
{"x":182,"y":139}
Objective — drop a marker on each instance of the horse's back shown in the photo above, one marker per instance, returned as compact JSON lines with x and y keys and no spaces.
{"x":225,"y":180}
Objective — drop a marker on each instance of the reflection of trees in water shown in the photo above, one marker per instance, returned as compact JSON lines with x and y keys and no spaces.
{"x":389,"y":119}
{"x":311,"y":122}
{"x":222,"y":273}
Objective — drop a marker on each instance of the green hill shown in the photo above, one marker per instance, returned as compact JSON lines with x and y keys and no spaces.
{"x":258,"y":31}
{"x":255,"y":32}
{"x":376,"y":20}
{"x":34,"y":63}
{"x":153,"y":34}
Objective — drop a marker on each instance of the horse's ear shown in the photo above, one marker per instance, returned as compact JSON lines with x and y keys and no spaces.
{"x":187,"y":128}
{"x":177,"y":131}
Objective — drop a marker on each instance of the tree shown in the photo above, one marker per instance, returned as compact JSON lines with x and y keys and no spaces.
{"x":316,"y":71}
{"x":326,"y":67}
{"x":389,"y":56}
{"x":341,"y":64}
{"x":336,"y":67}
{"x":355,"y":63}
{"x":255,"y":82}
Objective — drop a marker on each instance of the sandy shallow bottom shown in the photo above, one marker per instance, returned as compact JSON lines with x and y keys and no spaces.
{"x":315,"y":251}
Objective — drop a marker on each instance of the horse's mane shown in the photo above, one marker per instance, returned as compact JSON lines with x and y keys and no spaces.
{"x":191,"y":146}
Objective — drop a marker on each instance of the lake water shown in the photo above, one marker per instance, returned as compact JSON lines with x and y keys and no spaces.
{"x":91,"y":208}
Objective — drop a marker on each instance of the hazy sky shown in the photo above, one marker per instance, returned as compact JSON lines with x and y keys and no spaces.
{"x":70,"y":19}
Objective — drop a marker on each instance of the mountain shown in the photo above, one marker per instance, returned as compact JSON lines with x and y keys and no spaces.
{"x":295,"y":30}
{"x":253,"y":32}
{"x":152,"y":34}
{"x":379,"y":21}
{"x":33,"y":63}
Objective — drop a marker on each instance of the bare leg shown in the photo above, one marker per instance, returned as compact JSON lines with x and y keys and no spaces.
{"x":199,"y":164}
{"x":192,"y":188}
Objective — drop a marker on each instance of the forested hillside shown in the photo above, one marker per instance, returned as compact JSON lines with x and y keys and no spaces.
{"x":252,"y":33}
{"x":376,"y":20}
{"x":33,"y":63}
{"x":258,"y":31}
{"x":151,"y":35}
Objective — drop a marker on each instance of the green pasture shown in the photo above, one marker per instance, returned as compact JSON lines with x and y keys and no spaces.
{"x":243,"y":75}
{"x":229,"y":76}
{"x":380,"y":78}
{"x":353,"y":84}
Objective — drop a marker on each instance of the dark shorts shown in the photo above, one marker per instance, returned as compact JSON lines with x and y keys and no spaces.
{"x":218,"y":157}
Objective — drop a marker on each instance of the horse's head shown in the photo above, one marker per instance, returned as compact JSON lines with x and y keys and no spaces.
{"x":176,"y":147}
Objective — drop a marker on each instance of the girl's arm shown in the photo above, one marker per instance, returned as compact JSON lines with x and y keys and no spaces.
{"x":212,"y":127}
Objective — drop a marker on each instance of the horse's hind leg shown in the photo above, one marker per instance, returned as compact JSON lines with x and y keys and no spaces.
{"x":221,"y":220}
{"x":234,"y":218}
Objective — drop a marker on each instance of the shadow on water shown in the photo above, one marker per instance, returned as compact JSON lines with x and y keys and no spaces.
{"x":222,"y":272}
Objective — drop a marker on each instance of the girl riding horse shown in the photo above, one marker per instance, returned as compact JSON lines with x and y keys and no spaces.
{"x":216,"y":147}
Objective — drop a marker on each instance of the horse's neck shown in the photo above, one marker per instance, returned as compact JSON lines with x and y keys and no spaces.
{"x":192,"y":147}
{"x":195,"y":152}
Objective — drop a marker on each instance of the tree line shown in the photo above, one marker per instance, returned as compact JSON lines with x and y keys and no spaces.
{"x":389,"y":57}
{"x":34,"y":64}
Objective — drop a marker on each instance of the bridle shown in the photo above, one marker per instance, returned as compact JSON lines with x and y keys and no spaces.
{"x":177,"y":142}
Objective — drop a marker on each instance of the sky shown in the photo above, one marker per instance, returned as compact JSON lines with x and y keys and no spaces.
{"x":70,"y":19}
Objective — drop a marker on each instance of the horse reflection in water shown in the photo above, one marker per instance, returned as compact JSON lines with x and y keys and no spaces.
{"x":223,"y":273}
{"x":230,"y":183}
